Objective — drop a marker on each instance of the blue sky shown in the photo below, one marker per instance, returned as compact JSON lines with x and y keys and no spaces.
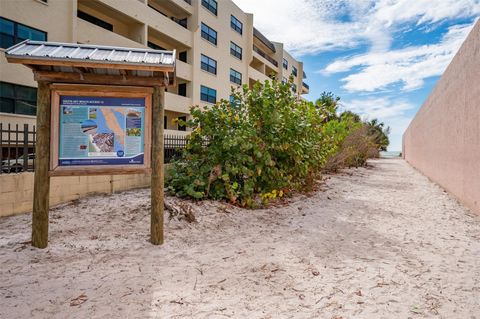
{"x":381,"y":57}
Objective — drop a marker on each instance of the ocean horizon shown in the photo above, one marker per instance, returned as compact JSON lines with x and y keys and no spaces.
{"x":391,"y":154}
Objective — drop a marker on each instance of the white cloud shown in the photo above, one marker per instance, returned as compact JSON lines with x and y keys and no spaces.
{"x":424,"y":11}
{"x":408,"y":66}
{"x":304,"y":26}
{"x":380,"y":107}
{"x":313,"y":26}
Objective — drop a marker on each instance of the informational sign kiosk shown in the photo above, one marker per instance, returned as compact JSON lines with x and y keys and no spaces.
{"x":99,"y":111}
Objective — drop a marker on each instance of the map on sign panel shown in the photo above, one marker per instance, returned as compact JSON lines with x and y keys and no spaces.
{"x":101,"y":130}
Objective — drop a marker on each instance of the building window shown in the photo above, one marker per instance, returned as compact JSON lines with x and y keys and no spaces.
{"x":236,"y":24}
{"x":284,"y":80}
{"x":294,"y":88}
{"x":12,"y":33}
{"x":208,"y":64}
{"x":234,"y":102}
{"x":18,"y":99}
{"x":182,"y":127}
{"x":209,"y":34}
{"x":235,"y":50}
{"x":235,"y":77}
{"x":294,"y":71}
{"x":210,"y":5}
{"x":208,"y":95}
{"x":154,"y":46}
{"x":165,"y":122}
{"x":87,"y":17}
{"x":182,"y":89}
{"x":182,"y":56}
{"x":285,"y":64}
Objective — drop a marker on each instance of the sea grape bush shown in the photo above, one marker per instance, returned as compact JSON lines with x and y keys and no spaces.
{"x":261,"y":145}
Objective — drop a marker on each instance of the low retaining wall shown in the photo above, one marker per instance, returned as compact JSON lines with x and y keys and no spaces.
{"x":443,"y":140}
{"x":16,"y":190}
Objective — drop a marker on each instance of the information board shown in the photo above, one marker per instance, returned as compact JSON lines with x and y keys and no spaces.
{"x":101,"y":131}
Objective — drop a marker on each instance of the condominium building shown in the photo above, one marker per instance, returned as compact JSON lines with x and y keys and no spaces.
{"x":216,"y":43}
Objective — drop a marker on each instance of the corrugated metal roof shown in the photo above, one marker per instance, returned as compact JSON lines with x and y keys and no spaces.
{"x":90,"y":53}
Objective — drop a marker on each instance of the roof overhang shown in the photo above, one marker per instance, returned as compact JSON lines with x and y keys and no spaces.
{"x":78,"y":63}
{"x":264,"y":40}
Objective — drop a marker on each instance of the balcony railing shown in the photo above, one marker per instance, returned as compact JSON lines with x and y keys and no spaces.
{"x":264,"y":55}
{"x":182,"y":22}
{"x":305,"y":85}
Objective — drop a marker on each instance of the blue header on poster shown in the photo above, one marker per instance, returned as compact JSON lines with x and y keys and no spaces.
{"x":67,"y":100}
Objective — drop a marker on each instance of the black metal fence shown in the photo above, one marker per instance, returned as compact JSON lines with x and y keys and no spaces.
{"x":173,"y":146}
{"x":17,"y":148}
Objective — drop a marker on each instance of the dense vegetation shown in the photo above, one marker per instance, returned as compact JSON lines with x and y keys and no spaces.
{"x":265,"y":143}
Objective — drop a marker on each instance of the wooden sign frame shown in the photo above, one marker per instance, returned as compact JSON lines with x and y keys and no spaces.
{"x":58,"y":90}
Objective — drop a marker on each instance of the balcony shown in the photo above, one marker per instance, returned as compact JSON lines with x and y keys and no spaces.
{"x":177,"y":103}
{"x":183,"y":22}
{"x":153,"y":18}
{"x":184,"y":5}
{"x":257,"y":75}
{"x":111,"y":21}
{"x":89,"y":33}
{"x":263,"y":40}
{"x":265,"y":56}
{"x":184,"y":70}
{"x":305,"y":88}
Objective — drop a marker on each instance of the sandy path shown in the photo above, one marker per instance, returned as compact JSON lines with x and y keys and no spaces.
{"x":381,"y":242}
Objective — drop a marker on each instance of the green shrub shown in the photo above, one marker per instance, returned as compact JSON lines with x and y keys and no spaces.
{"x":359,"y":142}
{"x":354,"y":151}
{"x":261,"y":145}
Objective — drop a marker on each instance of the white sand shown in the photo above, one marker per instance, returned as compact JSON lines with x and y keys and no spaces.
{"x":381,"y":242}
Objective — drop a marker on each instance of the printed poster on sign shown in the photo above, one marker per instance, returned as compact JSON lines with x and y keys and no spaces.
{"x":101,"y":131}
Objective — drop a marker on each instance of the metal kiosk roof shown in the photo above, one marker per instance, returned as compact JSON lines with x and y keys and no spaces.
{"x":107,"y":67}
{"x":94,"y":64}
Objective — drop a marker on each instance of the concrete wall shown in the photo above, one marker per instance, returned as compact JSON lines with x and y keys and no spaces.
{"x":16,"y":190}
{"x":443,"y":140}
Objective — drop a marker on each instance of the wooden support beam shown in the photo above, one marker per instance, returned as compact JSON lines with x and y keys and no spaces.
{"x":41,"y":184}
{"x":157,"y":195}
{"x":90,"y":64}
{"x":92,"y":78}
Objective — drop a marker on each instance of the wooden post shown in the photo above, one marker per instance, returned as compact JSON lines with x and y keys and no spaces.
{"x":156,"y":226}
{"x":41,"y":187}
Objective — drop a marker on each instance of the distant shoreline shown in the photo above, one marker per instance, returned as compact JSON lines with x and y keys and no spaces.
{"x":391,"y":154}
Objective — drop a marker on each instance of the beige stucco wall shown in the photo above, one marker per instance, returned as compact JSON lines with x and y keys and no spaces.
{"x":16,"y":190}
{"x":136,"y":22}
{"x":221,"y":51}
{"x":443,"y":140}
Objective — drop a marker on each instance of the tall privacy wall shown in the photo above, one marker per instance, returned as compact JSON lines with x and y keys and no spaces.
{"x":443,"y":140}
